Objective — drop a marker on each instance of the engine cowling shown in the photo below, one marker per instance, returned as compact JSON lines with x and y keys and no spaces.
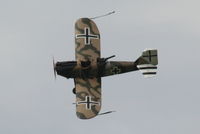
{"x":66,"y":68}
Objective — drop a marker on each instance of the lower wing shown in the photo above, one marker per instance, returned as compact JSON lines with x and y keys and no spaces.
{"x":88,"y":97}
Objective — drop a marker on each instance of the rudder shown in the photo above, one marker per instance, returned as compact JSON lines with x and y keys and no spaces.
{"x":147,"y":62}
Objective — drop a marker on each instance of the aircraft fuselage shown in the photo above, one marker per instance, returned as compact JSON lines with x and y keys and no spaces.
{"x":73,"y":69}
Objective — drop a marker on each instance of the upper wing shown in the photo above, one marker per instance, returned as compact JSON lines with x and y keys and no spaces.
{"x":88,"y":97}
{"x":87,"y":40}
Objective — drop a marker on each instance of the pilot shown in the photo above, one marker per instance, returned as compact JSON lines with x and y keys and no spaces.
{"x":85,"y":64}
{"x":85,"y":67}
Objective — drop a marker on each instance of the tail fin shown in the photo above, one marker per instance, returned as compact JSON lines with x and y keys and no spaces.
{"x":147,"y":62}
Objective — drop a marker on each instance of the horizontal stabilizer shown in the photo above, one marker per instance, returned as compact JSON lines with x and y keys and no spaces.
{"x":148,"y":70}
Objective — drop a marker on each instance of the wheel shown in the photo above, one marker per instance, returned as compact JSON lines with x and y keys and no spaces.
{"x":74,"y":90}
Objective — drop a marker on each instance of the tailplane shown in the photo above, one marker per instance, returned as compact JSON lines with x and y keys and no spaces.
{"x":147,"y":62}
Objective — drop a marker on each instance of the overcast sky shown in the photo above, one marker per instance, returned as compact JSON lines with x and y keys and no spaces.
{"x":32,"y":31}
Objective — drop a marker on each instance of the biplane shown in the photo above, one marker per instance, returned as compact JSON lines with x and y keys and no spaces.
{"x":88,"y":68}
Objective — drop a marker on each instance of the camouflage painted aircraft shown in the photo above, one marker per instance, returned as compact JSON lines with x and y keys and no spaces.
{"x":89,"y":67}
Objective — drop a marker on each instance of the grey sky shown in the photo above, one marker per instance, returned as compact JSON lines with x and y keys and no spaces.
{"x":32,"y":31}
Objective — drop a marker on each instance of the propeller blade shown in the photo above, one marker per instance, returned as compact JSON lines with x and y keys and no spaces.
{"x":54,"y":68}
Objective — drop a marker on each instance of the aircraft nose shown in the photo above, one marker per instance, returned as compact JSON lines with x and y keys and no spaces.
{"x":58,"y":68}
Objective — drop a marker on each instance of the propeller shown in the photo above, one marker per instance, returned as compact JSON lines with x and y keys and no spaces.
{"x":54,"y":68}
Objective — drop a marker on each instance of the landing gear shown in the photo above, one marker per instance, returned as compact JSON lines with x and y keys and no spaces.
{"x":74,"y":90}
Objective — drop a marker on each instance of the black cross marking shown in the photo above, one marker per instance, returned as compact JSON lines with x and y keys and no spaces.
{"x":87,"y":36}
{"x":88,"y":102}
{"x":115,"y":70}
{"x":150,"y":55}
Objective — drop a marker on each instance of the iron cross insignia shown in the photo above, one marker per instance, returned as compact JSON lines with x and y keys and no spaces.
{"x":115,"y":70}
{"x":87,"y":36}
{"x":149,"y":55}
{"x":88,"y":102}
